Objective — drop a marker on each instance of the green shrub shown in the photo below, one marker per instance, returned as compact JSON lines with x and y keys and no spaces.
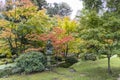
{"x":90,"y":56}
{"x":71,"y":60}
{"x":31,"y":62}
{"x":16,"y":70}
{"x":58,"y":58}
{"x":5,"y":72}
{"x":65,"y":65}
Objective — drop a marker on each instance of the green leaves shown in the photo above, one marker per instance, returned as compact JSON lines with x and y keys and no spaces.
{"x":61,"y":9}
{"x":40,"y":21}
{"x":95,"y":5}
{"x":31,"y":62}
{"x":99,"y":32}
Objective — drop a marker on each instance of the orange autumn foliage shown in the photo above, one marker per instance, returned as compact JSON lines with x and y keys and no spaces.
{"x":26,"y":3}
{"x":6,"y":33}
{"x":20,"y":3}
{"x":33,"y":49}
{"x":58,"y":37}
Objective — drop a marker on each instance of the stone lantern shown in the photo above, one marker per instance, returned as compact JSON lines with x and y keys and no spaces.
{"x":49,"y":53}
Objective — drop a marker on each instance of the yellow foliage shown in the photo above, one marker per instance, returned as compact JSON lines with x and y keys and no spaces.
{"x":4,"y":49}
{"x":74,"y":45}
{"x":67,"y":24}
{"x":18,"y":12}
{"x":3,"y":23}
{"x":109,"y":41}
{"x":7,"y":33}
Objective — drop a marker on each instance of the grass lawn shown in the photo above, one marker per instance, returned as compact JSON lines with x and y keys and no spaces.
{"x":88,"y":70}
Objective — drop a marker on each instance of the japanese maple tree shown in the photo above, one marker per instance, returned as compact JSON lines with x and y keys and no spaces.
{"x":57,"y":36}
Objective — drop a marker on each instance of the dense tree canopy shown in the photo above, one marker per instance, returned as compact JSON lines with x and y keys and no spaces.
{"x":27,"y":20}
{"x":22,"y":22}
{"x":40,"y":3}
{"x":93,"y":4}
{"x":61,"y":9}
{"x":100,"y":32}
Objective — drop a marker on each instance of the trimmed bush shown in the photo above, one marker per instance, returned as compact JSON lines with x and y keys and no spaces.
{"x":65,"y":65}
{"x":5,"y":72}
{"x":8,"y":71}
{"x":71,"y":60}
{"x":31,"y":62}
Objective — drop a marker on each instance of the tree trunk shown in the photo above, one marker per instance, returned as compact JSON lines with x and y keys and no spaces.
{"x":109,"y":67}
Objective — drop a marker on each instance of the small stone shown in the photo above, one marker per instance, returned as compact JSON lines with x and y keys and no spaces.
{"x":72,"y":70}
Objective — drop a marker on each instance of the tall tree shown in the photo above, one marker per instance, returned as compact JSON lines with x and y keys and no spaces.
{"x":70,"y":27}
{"x":22,"y":21}
{"x":113,"y":5}
{"x":95,"y":5}
{"x":112,"y":26}
{"x":100,"y":33}
{"x":61,"y":9}
{"x":40,"y":3}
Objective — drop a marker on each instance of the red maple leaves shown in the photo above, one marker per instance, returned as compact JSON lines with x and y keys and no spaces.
{"x":58,"y":37}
